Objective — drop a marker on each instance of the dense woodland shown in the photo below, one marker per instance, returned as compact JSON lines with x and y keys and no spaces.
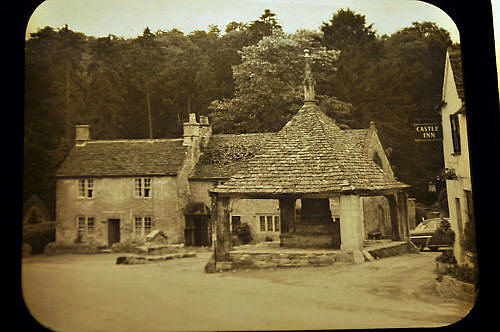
{"x":247,"y":78}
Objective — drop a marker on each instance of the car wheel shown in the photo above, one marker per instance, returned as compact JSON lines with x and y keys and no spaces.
{"x":422,"y":247}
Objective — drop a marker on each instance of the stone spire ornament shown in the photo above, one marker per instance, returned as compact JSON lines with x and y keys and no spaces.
{"x":309,"y":95}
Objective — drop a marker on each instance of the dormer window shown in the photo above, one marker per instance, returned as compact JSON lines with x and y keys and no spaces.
{"x":143,"y":187}
{"x":86,"y":188}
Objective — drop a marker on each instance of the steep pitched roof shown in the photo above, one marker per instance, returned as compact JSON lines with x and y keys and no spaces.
{"x":126,"y":157}
{"x":456,"y":66}
{"x":226,"y":154}
{"x":310,"y":154}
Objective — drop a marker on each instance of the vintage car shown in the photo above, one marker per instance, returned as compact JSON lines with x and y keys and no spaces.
{"x":431,"y":234}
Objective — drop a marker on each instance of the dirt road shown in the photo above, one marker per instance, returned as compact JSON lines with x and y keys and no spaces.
{"x":83,"y":293}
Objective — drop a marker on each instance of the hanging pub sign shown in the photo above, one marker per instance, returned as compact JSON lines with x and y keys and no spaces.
{"x":428,"y":130}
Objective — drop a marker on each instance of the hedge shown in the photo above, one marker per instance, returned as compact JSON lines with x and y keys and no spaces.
{"x":39,"y":235}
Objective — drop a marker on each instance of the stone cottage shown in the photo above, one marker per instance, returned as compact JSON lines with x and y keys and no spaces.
{"x":112,"y":191}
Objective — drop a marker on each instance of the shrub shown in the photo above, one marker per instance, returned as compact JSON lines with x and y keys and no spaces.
{"x":444,"y":235}
{"x":446,"y":257}
{"x":243,"y":233}
{"x":463,"y":273}
{"x":39,"y":235}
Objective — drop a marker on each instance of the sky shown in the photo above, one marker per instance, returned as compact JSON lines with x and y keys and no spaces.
{"x":128,"y":18}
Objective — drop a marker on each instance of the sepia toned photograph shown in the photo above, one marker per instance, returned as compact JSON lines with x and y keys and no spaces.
{"x":246,"y":165}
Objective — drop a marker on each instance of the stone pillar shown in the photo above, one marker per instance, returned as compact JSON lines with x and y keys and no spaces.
{"x":287,"y":214}
{"x":404,"y":227}
{"x":222,"y":225}
{"x":351,"y":225}
{"x":411,"y":213}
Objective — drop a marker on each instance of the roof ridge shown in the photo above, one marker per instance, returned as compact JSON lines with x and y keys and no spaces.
{"x":134,"y":140}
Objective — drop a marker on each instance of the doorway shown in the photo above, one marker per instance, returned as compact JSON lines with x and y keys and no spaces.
{"x":197,"y":231}
{"x":113,"y":231}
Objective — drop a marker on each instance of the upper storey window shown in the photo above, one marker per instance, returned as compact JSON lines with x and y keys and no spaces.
{"x":455,"y":133}
{"x":143,"y":187}
{"x":86,"y":188}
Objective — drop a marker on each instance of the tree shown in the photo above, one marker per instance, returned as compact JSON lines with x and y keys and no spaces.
{"x":269,"y":83}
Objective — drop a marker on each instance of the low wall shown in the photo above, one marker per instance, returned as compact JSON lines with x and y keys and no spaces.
{"x":306,"y":240}
{"x":395,"y":250}
{"x":265,"y":260}
{"x":55,"y":248}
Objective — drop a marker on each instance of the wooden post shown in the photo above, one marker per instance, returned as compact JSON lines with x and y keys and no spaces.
{"x":222,"y":222}
{"x":287,"y":214}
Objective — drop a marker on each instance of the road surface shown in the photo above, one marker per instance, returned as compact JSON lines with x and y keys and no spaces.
{"x":91,"y":292}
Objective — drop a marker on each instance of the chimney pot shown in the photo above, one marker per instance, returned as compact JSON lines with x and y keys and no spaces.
{"x":82,"y":134}
{"x":192,"y":118}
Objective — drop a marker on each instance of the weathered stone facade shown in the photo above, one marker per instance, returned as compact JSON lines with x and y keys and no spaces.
{"x":114,"y":198}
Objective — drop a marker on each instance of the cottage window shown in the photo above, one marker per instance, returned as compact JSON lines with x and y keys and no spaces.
{"x":85,"y":224}
{"x":86,"y":188}
{"x":235,"y":222}
{"x":143,"y":187}
{"x":90,"y":225}
{"x":143,"y":226}
{"x":81,"y":225}
{"x":269,"y":223}
{"x":262,"y":223}
{"x":455,"y":133}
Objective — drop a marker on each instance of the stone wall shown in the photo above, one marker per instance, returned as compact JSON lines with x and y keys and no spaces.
{"x":377,"y":215}
{"x":114,"y":198}
{"x":259,"y":260}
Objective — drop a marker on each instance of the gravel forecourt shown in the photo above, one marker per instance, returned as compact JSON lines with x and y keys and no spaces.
{"x":92,"y":293}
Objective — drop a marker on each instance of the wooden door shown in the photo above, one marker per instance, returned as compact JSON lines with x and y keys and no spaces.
{"x":113,"y":231}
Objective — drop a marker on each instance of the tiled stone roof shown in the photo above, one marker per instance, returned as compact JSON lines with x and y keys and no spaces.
{"x":126,"y":157}
{"x":310,"y":154}
{"x":456,"y":66}
{"x":226,"y":154}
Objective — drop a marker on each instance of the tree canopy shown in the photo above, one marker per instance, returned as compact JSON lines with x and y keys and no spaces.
{"x":247,"y":79}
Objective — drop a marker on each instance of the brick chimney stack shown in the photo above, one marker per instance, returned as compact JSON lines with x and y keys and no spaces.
{"x":82,"y":134}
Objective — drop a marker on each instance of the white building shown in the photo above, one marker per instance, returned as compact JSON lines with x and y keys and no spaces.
{"x":456,"y":152}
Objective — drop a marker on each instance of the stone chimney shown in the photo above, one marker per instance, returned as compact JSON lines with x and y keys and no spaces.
{"x":82,"y":134}
{"x":205,"y":130}
{"x":191,"y":131}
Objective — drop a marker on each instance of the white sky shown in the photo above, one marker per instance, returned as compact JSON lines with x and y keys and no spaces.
{"x":128,"y":18}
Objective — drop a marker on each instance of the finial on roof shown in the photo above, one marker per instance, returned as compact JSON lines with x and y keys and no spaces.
{"x":309,"y":95}
{"x":372,"y":126}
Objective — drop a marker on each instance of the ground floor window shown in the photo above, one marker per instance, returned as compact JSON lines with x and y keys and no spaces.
{"x":269,"y":223}
{"x":85,"y":225}
{"x":235,"y":222}
{"x":143,"y":226}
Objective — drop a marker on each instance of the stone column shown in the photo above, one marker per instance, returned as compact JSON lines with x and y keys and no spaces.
{"x":403,"y":215}
{"x":351,"y":225}
{"x":222,"y":224}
